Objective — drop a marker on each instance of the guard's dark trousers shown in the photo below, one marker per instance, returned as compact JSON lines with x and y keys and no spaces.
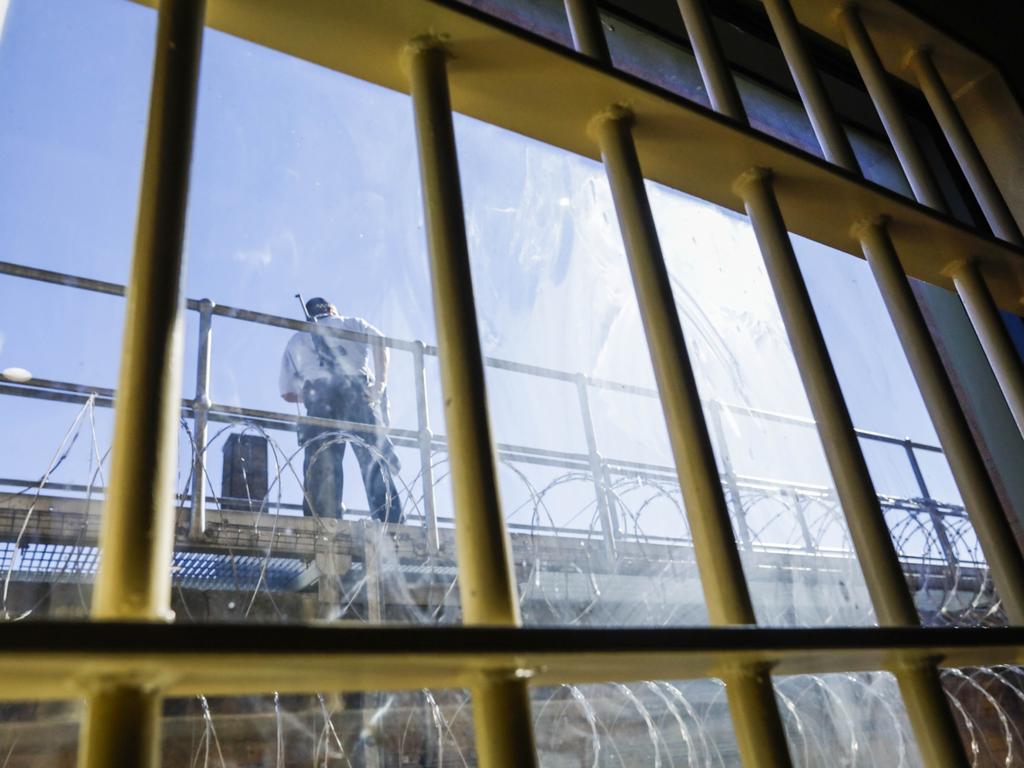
{"x":346,"y":398}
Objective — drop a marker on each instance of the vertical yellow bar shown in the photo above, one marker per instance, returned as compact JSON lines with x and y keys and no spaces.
{"x":722,"y":92}
{"x":980,"y":499}
{"x":585,"y":25}
{"x":871,"y":539}
{"x":755,"y":715}
{"x":883,"y":575}
{"x":993,"y":205}
{"x":827,"y":128}
{"x":922,"y":182}
{"x":995,"y":340}
{"x":121,"y":724}
{"x":501,"y":712}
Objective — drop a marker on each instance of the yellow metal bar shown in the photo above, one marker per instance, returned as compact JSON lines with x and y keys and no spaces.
{"x":827,"y":128}
{"x":919,"y":175}
{"x":872,"y":541}
{"x":870,"y":535}
{"x":754,"y":712}
{"x":997,"y":213}
{"x":121,"y":728}
{"x":714,"y":70}
{"x":121,"y":723}
{"x":756,"y":719}
{"x":487,"y":587}
{"x":585,"y":26}
{"x":995,"y":340}
{"x":980,"y":499}
{"x":938,"y":737}
{"x":680,"y":144}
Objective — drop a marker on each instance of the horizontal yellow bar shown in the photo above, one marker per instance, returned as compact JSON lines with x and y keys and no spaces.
{"x":506,"y":77}
{"x":40,"y":661}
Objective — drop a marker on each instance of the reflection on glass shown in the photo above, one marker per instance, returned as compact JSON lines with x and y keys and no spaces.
{"x":39,"y":734}
{"x":854,"y":719}
{"x":648,"y":723}
{"x":942,"y":558}
{"x":352,"y":729}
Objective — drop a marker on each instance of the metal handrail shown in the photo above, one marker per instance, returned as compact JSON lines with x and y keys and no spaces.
{"x":202,"y":410}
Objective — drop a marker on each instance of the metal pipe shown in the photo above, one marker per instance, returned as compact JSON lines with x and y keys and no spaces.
{"x":137,"y":534}
{"x":501,"y":711}
{"x":609,"y":527}
{"x":940,"y":528}
{"x":870,"y":535}
{"x":925,"y":702}
{"x":992,"y":203}
{"x":829,"y":131}
{"x":426,"y":451}
{"x":585,"y":26}
{"x":718,"y":561}
{"x":890,"y":111}
{"x":714,"y":70}
{"x":995,"y":339}
{"x":200,"y":420}
{"x":980,"y":499}
{"x":872,"y":541}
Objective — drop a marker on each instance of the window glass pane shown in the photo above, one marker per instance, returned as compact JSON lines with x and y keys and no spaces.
{"x":941,"y":554}
{"x":986,"y":704}
{"x":305,"y":181}
{"x":793,"y":536}
{"x":855,"y":719}
{"x":74,"y":81}
{"x":582,"y":439}
{"x":359,"y":728}
{"x":624,"y":724}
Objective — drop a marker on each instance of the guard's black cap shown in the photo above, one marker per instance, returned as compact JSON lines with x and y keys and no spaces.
{"x":318,"y":306}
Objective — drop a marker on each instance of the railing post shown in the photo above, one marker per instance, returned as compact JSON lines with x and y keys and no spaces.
{"x":609,"y":526}
{"x":121,"y":724}
{"x":980,"y":499}
{"x":426,"y":452}
{"x":501,"y":705}
{"x":200,"y":413}
{"x":940,"y":527}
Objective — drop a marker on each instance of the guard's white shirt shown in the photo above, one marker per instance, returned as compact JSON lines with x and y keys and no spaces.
{"x":302,"y":362}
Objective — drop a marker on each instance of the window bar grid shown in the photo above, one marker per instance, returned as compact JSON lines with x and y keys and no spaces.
{"x":919,"y":684}
{"x":121,"y":723}
{"x":968,"y":468}
{"x":752,"y":704}
{"x":980,"y":499}
{"x":967,"y":278}
{"x":755,"y":715}
{"x":501,"y":707}
{"x":979,"y":495}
